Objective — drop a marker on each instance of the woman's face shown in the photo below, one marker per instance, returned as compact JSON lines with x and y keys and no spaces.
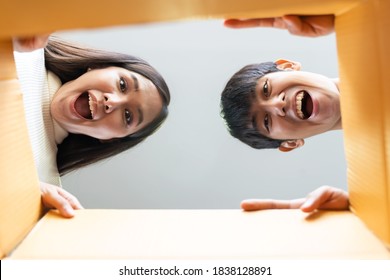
{"x":295,"y":105}
{"x":106,"y":103}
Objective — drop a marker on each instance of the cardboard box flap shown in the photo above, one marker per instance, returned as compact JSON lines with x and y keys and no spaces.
{"x":90,"y":13}
{"x":19,"y":191}
{"x":363,"y":43}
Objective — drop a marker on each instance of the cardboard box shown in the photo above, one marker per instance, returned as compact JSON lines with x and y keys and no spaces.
{"x":363,"y":42}
{"x":201,"y":234}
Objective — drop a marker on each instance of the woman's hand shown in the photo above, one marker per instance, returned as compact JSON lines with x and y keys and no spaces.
{"x":323,"y":198}
{"x":57,"y":198}
{"x":310,"y":26}
{"x":29,"y":44}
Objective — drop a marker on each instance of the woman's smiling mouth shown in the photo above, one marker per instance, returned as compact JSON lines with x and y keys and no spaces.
{"x":83,"y":106}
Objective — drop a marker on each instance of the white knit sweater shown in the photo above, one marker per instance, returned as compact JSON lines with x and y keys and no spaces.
{"x":38,"y":87}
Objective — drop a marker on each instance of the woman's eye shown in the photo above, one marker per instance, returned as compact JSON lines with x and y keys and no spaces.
{"x":266,"y":89}
{"x":122,"y":84}
{"x":266,"y":122}
{"x":128,"y":117}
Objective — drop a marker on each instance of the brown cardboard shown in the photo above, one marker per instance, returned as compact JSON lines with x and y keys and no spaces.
{"x":44,"y":16}
{"x":19,"y":192}
{"x":363,"y":43}
{"x":201,"y":234}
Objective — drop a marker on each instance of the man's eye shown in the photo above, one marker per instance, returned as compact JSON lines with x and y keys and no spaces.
{"x":128,"y":117}
{"x":266,"y":89}
{"x":266,"y":122}
{"x":122,"y":84}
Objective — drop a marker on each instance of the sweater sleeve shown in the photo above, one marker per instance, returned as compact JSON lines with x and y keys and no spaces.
{"x":34,"y":85}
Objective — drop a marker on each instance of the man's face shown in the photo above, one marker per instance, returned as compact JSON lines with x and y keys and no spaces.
{"x":295,"y":105}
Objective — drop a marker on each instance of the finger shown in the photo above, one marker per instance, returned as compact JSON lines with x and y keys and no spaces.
{"x":337,"y":200}
{"x":310,"y":26}
{"x":263,"y":204}
{"x":53,"y":199}
{"x":255,"y":22}
{"x":322,"y":24}
{"x":296,"y":26}
{"x":74,"y":202}
{"x":326,"y":198}
{"x":316,"y":198}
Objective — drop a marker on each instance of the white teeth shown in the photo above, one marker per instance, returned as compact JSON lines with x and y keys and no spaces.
{"x":298,"y":102}
{"x":90,"y":104}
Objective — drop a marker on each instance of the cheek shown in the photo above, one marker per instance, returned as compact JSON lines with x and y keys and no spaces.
{"x":102,"y":132}
{"x":107,"y":126}
{"x":283,"y":129}
{"x":111,"y":127}
{"x":282,"y":126}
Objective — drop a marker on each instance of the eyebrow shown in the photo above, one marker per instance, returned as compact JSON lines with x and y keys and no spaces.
{"x":261,"y":128}
{"x":136,"y":89}
{"x":254,"y":95}
{"x":135,"y":82}
{"x":254,"y":123}
{"x":253,"y":98}
{"x":140,"y":116}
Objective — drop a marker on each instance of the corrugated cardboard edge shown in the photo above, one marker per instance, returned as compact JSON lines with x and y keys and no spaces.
{"x":363,"y":41}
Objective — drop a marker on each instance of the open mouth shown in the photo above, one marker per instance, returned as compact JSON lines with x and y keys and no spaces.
{"x":83,"y":106}
{"x":304,"y":105}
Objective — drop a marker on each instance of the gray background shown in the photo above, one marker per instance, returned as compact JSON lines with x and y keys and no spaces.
{"x":192,"y":161}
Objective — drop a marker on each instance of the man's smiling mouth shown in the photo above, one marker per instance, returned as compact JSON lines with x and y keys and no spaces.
{"x":84,"y":106}
{"x":304,"y":105}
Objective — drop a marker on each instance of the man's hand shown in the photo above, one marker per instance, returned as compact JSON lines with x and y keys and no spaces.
{"x":310,"y":26}
{"x":57,"y":198}
{"x":323,"y":198}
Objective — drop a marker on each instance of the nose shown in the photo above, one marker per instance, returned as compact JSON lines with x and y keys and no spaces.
{"x":112,"y":101}
{"x":277,"y":104}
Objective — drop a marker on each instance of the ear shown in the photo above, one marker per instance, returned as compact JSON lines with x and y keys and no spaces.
{"x":284,"y":64}
{"x":290,"y":145}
